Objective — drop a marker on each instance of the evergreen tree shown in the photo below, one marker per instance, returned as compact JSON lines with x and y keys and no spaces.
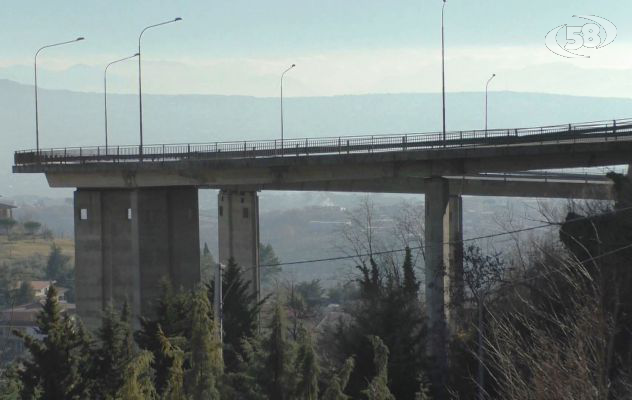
{"x":246,"y":382}
{"x":24,"y":294}
{"x":390,"y":309}
{"x":10,"y":383}
{"x":114,"y":353}
{"x":55,"y":366}
{"x":410,"y":285}
{"x":206,"y":358}
{"x":308,"y":369}
{"x":57,"y":264}
{"x":175,"y":380}
{"x":138,"y":383}
{"x":173,"y":316}
{"x":278,"y":360}
{"x":207,"y":265}
{"x":339,"y":381}
{"x":241,"y":312}
{"x":378,"y":387}
{"x":270,"y":261}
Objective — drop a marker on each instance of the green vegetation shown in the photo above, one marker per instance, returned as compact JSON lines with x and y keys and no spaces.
{"x":552,"y":322}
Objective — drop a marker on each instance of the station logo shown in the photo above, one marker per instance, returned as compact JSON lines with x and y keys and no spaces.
{"x":573,"y":41}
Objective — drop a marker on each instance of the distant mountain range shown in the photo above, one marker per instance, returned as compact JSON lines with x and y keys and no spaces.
{"x":76,"y":118}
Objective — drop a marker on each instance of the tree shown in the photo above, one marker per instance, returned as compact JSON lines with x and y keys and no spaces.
{"x":279,"y":358}
{"x":24,"y":294}
{"x":174,"y":389}
{"x":241,"y":312}
{"x":55,"y":366}
{"x":207,"y":265}
{"x":57,"y":264}
{"x":390,"y":309}
{"x":10,"y":384}
{"x":32,"y":227}
{"x":308,"y":369}
{"x":339,"y":381}
{"x":270,"y":263}
{"x":173,"y":317}
{"x":138,"y":383}
{"x":206,"y":353}
{"x":7,"y":224}
{"x":378,"y":387}
{"x":115,"y":352}
{"x":410,"y":284}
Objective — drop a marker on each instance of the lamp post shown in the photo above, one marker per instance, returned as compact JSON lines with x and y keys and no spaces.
{"x":105,"y":96}
{"x":443,"y":66}
{"x":140,"y":90}
{"x":282,"y":75}
{"x":35,"y":64}
{"x":486,"y":90}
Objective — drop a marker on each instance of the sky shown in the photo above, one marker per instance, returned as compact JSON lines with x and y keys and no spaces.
{"x":341,"y":47}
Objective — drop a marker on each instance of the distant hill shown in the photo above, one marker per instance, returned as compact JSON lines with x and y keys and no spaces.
{"x":76,"y":119}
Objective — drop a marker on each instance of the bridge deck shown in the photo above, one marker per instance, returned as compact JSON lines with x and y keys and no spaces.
{"x":37,"y":161}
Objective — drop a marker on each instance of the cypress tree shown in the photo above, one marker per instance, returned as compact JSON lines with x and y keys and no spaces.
{"x":278,"y":358}
{"x":241,"y":313}
{"x":378,"y":387}
{"x":339,"y":381}
{"x":175,"y":380}
{"x":114,"y":353}
{"x":308,"y":369}
{"x":173,"y":316}
{"x":54,"y":368}
{"x":206,"y":358}
{"x":138,"y":383}
{"x":410,"y":285}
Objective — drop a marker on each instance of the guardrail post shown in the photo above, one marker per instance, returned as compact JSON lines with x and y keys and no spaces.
{"x":339,"y":149}
{"x":306,"y":149}
{"x":371,"y":147}
{"x":347,"y":146}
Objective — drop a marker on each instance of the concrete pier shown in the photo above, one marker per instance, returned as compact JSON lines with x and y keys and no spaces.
{"x":238,"y":216}
{"x":128,"y":241}
{"x":453,"y":261}
{"x":437,"y":198}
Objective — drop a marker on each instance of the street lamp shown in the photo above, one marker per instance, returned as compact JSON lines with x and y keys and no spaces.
{"x":282,"y":75}
{"x":36,"y":110}
{"x":105,"y":96}
{"x":443,"y":66}
{"x":140,"y":91}
{"x":486,"y":90}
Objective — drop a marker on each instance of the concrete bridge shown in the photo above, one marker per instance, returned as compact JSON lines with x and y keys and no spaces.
{"x":136,"y":212}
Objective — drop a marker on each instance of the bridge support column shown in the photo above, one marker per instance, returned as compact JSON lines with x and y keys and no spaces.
{"x":238,"y":217}
{"x":437,"y":199}
{"x":453,"y":261}
{"x":127,"y":242}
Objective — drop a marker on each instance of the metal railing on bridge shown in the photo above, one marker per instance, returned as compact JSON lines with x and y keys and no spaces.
{"x":305,"y":147}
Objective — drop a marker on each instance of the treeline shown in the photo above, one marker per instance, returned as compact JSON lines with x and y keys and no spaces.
{"x":179,"y":353}
{"x":553,"y":320}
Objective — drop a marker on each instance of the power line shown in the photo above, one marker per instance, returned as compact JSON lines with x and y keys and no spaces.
{"x":490,"y":236}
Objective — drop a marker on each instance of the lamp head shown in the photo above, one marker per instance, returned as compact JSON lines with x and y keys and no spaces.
{"x":177,"y":19}
{"x":79,"y":38}
{"x":293,"y":65}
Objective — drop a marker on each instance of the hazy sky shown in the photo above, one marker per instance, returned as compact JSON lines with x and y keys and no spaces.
{"x":339,"y":46}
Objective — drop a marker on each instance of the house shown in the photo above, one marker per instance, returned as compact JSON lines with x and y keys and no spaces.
{"x":40,"y":288}
{"x":6,"y":211}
